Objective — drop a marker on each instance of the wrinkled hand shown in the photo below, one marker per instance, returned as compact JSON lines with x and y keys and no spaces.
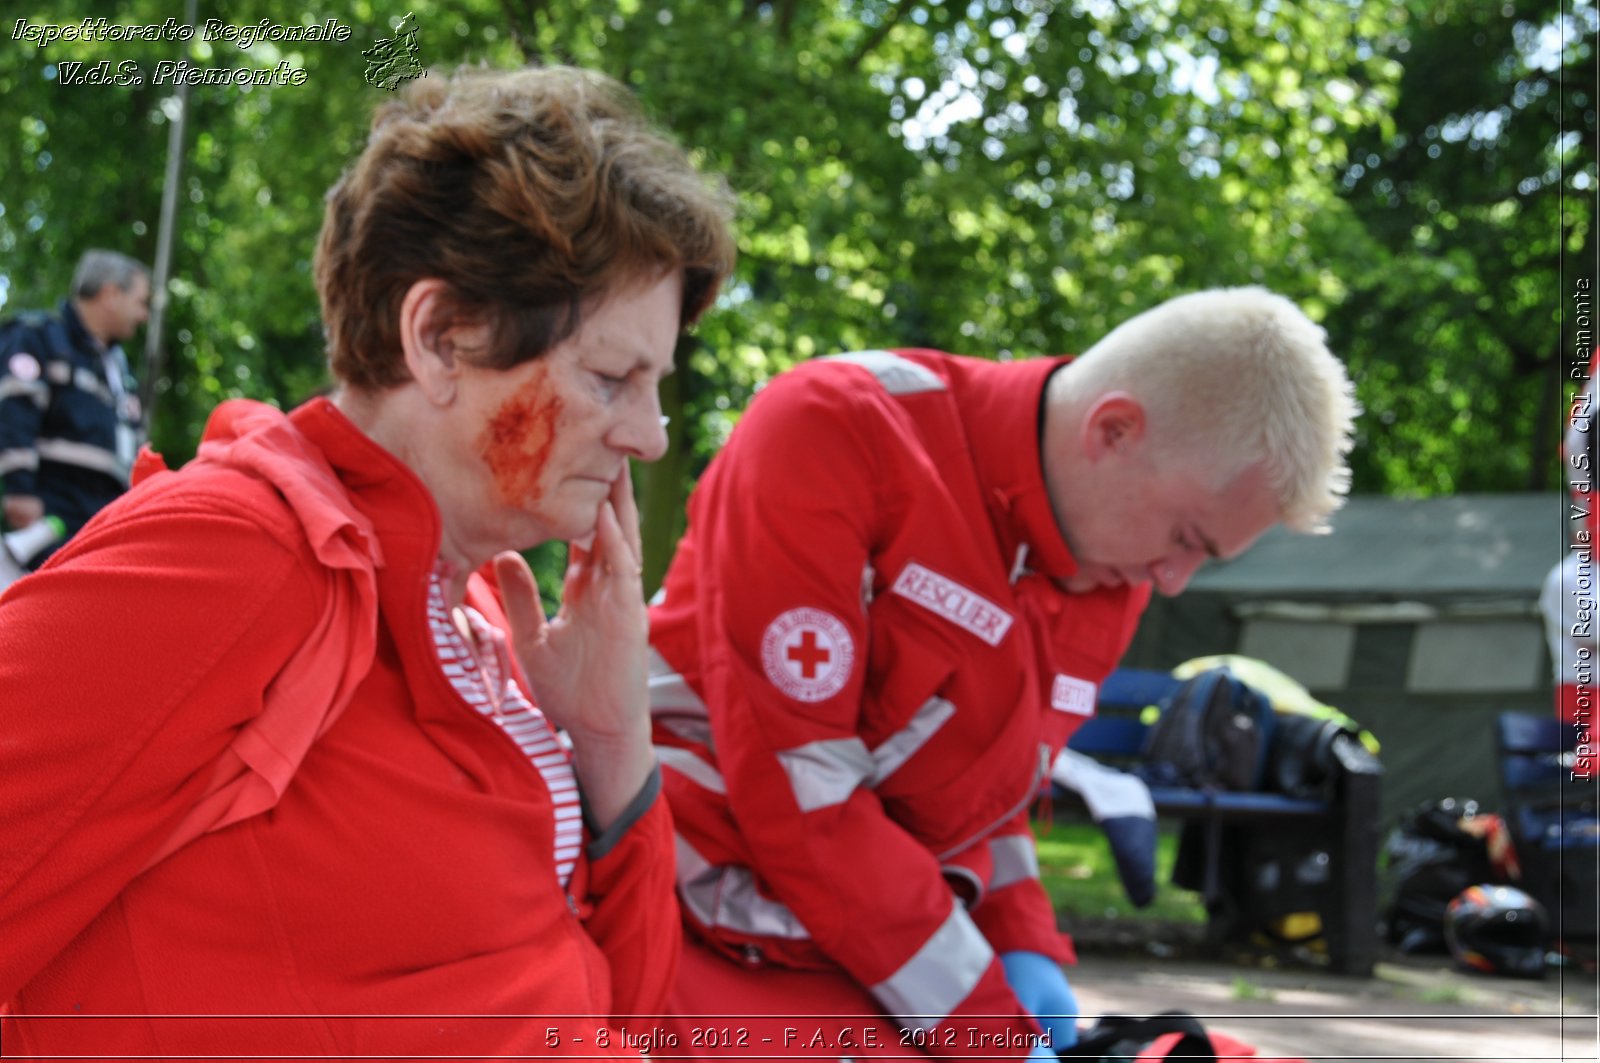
{"x":587,"y":664}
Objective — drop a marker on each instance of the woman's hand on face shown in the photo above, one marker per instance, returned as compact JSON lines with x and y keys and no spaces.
{"x":587,"y":664}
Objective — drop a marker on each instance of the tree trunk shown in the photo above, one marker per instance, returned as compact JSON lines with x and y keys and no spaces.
{"x":664,"y":486}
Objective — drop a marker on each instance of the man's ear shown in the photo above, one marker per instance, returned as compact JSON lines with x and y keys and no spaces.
{"x":425,"y":339}
{"x":1115,"y":424}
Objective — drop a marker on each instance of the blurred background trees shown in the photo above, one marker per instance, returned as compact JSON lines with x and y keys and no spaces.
{"x":997,"y":177}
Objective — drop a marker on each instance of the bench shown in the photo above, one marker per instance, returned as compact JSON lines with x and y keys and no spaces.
{"x":1553,"y":816}
{"x":1342,"y":834}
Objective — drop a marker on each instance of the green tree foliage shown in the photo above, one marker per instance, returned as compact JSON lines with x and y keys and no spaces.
{"x":1477,"y":195}
{"x":999,"y":177}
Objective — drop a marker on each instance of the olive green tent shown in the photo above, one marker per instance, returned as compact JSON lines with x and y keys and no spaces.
{"x":1417,"y":617}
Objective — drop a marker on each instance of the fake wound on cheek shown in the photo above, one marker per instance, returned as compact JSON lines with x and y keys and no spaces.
{"x":517,"y":441}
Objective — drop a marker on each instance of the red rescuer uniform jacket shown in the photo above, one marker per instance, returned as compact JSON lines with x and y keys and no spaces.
{"x":863,"y":671}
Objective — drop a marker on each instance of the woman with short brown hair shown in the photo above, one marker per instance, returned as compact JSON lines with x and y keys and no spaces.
{"x":295,"y":764}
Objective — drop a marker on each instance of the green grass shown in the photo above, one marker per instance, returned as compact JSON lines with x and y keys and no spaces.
{"x":1244,"y":989}
{"x":1076,"y":868}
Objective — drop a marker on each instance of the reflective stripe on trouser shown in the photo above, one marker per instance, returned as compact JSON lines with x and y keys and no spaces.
{"x":727,"y":897}
{"x":674,"y":704}
{"x":921,"y":993}
{"x":691,"y":767}
{"x":943,"y":973}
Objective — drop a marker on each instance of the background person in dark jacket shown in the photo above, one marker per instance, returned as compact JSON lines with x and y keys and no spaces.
{"x":70,"y":421}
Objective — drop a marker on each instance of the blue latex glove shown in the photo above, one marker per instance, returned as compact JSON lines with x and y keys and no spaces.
{"x":1041,"y":986}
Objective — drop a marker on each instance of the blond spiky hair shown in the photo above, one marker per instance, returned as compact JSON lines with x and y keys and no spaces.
{"x":1236,"y":376}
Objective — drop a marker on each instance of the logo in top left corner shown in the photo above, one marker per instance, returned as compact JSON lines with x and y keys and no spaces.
{"x":393,"y":61}
{"x":807,"y":653}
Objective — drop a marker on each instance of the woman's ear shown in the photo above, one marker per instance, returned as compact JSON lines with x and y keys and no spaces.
{"x":425,"y":338}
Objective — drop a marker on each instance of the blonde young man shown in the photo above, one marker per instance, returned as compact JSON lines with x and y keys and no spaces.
{"x":902,"y":581}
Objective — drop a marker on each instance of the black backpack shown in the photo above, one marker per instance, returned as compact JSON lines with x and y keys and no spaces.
{"x":1214,"y":732}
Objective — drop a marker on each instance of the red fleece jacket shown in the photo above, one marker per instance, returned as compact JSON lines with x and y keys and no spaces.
{"x":395,"y":895}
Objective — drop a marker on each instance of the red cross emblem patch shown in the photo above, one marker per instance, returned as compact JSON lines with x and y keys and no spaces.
{"x":807,"y":654}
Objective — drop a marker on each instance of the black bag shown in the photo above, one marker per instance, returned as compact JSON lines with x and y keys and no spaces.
{"x":1301,"y":762}
{"x":1430,"y":859}
{"x":1122,"y":1037}
{"x":1214,"y":732}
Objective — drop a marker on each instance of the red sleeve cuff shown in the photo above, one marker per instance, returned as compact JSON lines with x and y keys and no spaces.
{"x":1019,"y":918}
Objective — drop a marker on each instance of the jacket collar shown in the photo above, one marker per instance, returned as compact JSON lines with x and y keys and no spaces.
{"x":1001,"y":407}
{"x":401,"y":510}
{"x":78,"y":333}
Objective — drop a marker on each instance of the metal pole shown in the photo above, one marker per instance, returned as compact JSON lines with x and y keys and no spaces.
{"x":153,"y":352}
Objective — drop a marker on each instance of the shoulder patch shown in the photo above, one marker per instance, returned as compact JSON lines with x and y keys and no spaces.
{"x":24,"y":366}
{"x":899,"y":376}
{"x":807,"y":654}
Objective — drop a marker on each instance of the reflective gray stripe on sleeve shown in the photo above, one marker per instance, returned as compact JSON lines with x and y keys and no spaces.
{"x":83,"y":455}
{"x":944,"y":971}
{"x":826,"y":772}
{"x":20,"y":458}
{"x":904,"y":743}
{"x":899,"y":376}
{"x":687,"y":728}
{"x":37,"y":390}
{"x":1016,"y":859}
{"x":84,"y":380}
{"x":675,"y":705}
{"x":692,"y":768}
{"x":727,"y":897}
